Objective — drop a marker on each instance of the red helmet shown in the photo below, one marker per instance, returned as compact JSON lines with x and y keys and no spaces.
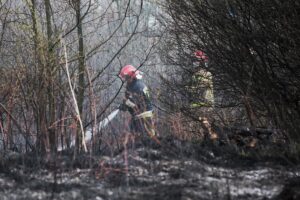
{"x":201,"y":55}
{"x":128,"y":72}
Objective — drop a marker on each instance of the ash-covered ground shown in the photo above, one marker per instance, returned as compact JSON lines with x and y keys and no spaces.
{"x":171,"y":171}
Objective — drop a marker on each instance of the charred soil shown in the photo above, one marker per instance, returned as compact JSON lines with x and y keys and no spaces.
{"x":174,"y":170}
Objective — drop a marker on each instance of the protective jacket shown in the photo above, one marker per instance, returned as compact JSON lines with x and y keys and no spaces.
{"x":138,"y":93}
{"x":138,"y":103}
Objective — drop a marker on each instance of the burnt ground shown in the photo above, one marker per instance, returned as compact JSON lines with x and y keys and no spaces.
{"x":171,"y":171}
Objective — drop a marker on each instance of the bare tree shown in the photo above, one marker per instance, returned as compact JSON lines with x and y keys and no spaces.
{"x":99,"y":38}
{"x":253,"y":56}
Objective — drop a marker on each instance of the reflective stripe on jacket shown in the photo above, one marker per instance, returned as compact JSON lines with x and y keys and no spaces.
{"x":147,"y":114}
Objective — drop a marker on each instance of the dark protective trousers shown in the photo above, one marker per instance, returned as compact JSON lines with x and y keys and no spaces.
{"x":142,"y":126}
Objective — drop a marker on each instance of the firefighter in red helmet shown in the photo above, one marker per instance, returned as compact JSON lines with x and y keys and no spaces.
{"x":137,"y":101}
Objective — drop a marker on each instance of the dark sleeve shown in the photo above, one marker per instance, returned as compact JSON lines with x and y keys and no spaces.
{"x":140,"y":95}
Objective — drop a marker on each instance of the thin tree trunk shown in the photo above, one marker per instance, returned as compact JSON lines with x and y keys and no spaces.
{"x":41,"y":100}
{"x":50,"y":77}
{"x":81,"y":68}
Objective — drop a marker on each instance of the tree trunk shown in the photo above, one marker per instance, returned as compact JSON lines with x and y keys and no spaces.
{"x":50,"y":77}
{"x":40,"y":112}
{"x":81,"y":68}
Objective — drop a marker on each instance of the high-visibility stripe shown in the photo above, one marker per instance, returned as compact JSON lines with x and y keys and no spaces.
{"x":144,"y":115}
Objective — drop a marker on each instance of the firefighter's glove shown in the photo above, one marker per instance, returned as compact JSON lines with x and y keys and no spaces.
{"x":123,"y":107}
{"x":129,"y":103}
